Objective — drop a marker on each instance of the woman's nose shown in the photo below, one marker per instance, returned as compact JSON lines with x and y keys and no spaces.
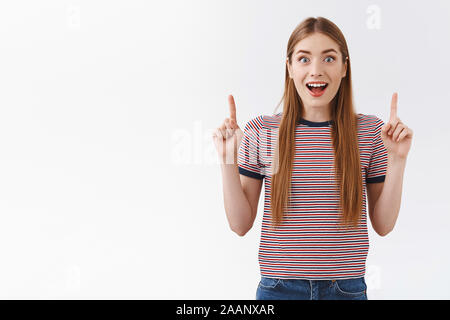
{"x":316,"y":69}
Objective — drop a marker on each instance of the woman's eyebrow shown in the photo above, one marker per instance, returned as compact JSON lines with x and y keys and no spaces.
{"x":324,"y":51}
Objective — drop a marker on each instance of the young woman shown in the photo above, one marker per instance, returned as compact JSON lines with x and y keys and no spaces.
{"x":317,"y":157}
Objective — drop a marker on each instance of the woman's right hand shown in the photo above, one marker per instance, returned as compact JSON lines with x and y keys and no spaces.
{"x":228,"y":136}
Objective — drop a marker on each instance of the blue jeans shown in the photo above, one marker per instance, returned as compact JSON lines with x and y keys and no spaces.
{"x":298,"y":289}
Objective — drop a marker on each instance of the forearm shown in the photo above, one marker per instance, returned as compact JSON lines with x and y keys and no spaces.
{"x":387,"y":206}
{"x":237,"y":207}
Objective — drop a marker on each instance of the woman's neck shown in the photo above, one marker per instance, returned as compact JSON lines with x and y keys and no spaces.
{"x":317,"y":114}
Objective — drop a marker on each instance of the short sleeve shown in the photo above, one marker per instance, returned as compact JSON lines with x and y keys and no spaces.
{"x":249,"y":154}
{"x":376,"y":171}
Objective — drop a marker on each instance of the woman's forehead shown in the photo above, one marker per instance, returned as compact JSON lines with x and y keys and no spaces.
{"x":316,"y":43}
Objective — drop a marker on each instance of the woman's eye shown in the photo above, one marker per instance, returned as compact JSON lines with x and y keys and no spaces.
{"x":302,"y":59}
{"x":329,"y":58}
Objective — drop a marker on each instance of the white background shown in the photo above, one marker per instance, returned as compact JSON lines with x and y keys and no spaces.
{"x":110,"y":186}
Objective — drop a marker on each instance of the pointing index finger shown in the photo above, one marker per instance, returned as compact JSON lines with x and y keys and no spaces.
{"x":394,"y":106}
{"x":232,"y":108}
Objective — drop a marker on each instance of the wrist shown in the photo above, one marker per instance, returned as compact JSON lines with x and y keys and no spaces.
{"x":395,"y":159}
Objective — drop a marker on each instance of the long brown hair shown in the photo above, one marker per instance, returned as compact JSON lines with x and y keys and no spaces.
{"x":344,"y":133}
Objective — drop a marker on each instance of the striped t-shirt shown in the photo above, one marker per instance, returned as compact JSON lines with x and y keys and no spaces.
{"x":308,"y":244}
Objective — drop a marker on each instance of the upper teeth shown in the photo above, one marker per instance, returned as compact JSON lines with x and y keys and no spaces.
{"x":317,"y":84}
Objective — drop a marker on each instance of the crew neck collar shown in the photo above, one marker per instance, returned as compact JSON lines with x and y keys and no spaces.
{"x":316,"y":124}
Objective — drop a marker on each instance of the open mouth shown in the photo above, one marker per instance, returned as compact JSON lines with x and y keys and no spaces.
{"x":317,"y":88}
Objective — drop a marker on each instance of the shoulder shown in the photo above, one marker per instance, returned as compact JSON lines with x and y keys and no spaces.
{"x":368,"y":119}
{"x":264,"y":122}
{"x":369,"y":123}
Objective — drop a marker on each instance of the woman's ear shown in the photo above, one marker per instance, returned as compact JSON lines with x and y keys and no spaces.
{"x":288,"y":67}
{"x":345,"y":67}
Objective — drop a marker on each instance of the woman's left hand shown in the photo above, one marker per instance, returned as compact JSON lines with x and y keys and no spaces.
{"x":397,"y":137}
